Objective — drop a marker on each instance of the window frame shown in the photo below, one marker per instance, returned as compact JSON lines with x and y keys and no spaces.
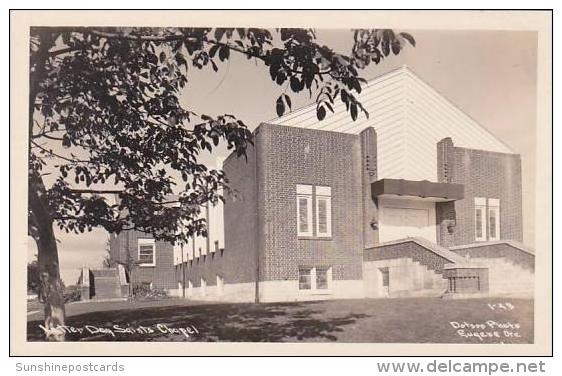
{"x":145,"y":242}
{"x":324,"y":194}
{"x":314,"y":290}
{"x":328,"y":278}
{"x":304,"y":192}
{"x":494,"y":206}
{"x":310,"y":269}
{"x":480,"y":205}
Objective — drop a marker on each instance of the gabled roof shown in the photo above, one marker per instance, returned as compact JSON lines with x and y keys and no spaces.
{"x":410,"y":117}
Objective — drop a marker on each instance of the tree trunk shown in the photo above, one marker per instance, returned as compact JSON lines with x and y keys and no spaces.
{"x":40,"y":224}
{"x":51,"y":287}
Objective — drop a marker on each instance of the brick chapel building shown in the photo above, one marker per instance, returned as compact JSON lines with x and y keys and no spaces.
{"x":416,"y":200}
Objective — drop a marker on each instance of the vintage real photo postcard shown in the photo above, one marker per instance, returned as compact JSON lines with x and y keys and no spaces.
{"x":378,"y":181}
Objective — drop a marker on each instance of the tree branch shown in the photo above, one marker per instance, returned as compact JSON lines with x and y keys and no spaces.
{"x":45,"y":134}
{"x":66,"y":50}
{"x":143,"y":38}
{"x":97,"y":191}
{"x":58,"y":155}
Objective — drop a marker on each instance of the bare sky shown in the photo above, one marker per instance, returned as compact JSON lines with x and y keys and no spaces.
{"x":490,"y":75}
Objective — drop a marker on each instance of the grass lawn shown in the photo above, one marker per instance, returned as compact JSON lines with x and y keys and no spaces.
{"x":409,"y":320}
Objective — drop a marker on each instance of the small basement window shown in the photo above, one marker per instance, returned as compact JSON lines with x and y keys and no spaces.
{"x":305,"y":278}
{"x":315,"y":279}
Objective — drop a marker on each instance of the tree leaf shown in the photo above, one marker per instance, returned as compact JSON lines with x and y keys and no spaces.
{"x":214,"y":65}
{"x":219,"y":32}
{"x":396,"y":47}
{"x":409,"y":38}
{"x":320,"y":113}
{"x":224,"y":53}
{"x":353,"y":111}
{"x":213,"y":50}
{"x":288,"y":100}
{"x":280,"y":106}
{"x":180,"y":59}
{"x":296,"y":84}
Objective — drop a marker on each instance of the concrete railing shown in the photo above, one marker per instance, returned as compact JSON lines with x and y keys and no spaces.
{"x":429,"y":254}
{"x":515,"y":252}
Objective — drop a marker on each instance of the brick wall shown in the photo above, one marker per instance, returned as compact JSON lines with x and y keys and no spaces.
{"x":237,"y":263}
{"x":115,"y":249}
{"x":368,"y":139}
{"x":484,"y":174}
{"x":161,"y":275}
{"x":260,"y":213}
{"x":288,"y":156}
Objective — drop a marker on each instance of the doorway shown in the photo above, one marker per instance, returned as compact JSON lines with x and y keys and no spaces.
{"x":385,"y":278}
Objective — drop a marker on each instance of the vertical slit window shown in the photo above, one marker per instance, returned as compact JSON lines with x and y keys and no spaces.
{"x":480,"y":218}
{"x":323,"y":211}
{"x":494,"y":219}
{"x":304,"y":210}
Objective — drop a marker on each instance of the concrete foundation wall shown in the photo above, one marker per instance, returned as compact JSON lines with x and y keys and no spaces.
{"x":288,"y":291}
{"x":406,"y":278}
{"x":272,"y":291}
{"x":233,"y":293}
{"x":507,"y":278}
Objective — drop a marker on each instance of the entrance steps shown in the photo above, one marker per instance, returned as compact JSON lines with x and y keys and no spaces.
{"x":415,"y":268}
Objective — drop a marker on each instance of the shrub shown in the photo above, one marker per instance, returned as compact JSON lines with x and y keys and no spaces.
{"x":143,"y":291}
{"x":71,"y":294}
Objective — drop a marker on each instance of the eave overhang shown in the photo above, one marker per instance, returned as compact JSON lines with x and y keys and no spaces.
{"x":429,"y":191}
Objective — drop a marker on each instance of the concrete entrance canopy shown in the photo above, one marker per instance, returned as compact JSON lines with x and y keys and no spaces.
{"x":430,"y":191}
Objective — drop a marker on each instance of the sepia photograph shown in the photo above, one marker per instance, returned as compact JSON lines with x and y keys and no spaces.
{"x":347,"y":185}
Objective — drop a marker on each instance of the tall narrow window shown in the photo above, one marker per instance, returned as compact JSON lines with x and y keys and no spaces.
{"x":146,"y":252}
{"x":494,"y":219}
{"x":323,"y":211}
{"x":480,"y":218}
{"x":304,"y":210}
